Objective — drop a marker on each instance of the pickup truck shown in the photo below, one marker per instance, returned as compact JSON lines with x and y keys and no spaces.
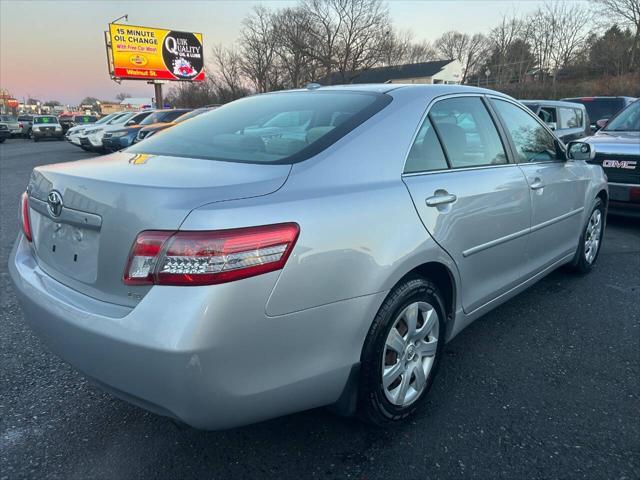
{"x":617,"y":148}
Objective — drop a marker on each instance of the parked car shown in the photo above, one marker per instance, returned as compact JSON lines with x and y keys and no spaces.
{"x":46,"y":126}
{"x":154,"y":128}
{"x":122,"y":138}
{"x":617,"y":148}
{"x":91,"y":138}
{"x":568,"y":120}
{"x":24,"y":123}
{"x":74,"y":133}
{"x":4,"y":132}
{"x":223,"y":278}
{"x":12,"y":124}
{"x":601,"y":109}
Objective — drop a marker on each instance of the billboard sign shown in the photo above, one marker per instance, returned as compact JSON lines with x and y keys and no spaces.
{"x":143,"y":53}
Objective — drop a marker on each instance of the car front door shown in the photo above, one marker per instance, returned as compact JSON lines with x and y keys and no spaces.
{"x":571,"y":124}
{"x":473,"y":202}
{"x":557,"y":187}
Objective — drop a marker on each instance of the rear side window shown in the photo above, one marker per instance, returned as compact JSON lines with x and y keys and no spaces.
{"x":468,"y":134}
{"x":270,"y":128}
{"x":426,"y":153}
{"x":570,"y":118}
{"x":532,"y":141}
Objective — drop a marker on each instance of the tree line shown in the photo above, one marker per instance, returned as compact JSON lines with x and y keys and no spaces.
{"x":334,"y":41}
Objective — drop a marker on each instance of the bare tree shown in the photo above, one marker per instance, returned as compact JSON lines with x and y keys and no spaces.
{"x":468,"y":49}
{"x":258,"y":49}
{"x":292,"y":34}
{"x":627,"y":13}
{"x":122,"y":95}
{"x":345,"y":36}
{"x":227,"y":73}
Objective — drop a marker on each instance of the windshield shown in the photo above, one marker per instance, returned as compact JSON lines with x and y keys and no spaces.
{"x":626,"y":121}
{"x":191,"y":114}
{"x":162,"y":116}
{"x":108,"y":118}
{"x":271,"y":128}
{"x":121,"y":119}
{"x":84,"y":119}
{"x":600,"y":108}
{"x":45,"y":120}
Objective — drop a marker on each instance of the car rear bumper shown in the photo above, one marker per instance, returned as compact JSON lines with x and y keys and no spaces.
{"x":5,"y":134}
{"x":208,"y":356}
{"x":624,"y":199}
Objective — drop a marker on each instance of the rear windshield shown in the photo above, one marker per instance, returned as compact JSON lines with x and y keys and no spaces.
{"x":627,"y":121}
{"x":7,"y":118}
{"x":84,"y":119}
{"x":600,"y":108}
{"x":24,"y":119}
{"x":191,"y":114}
{"x":45,"y":120}
{"x":271,"y":128}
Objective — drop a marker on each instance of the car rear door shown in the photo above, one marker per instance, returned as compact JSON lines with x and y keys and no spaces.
{"x":471,"y":199}
{"x":557,"y":187}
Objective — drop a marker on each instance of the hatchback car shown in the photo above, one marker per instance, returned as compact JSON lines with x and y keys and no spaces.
{"x":224,"y":273}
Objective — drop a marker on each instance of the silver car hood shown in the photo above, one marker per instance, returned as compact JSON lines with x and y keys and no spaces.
{"x":119,"y":196}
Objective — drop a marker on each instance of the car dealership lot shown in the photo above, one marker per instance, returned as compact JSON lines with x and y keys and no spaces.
{"x":545,"y":386}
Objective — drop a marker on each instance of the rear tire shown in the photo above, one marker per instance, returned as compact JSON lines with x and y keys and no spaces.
{"x":400,"y":356}
{"x":591,"y":239}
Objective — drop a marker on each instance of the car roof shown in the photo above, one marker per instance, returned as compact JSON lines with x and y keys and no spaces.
{"x":553,"y":103}
{"x":604,"y":97}
{"x":419,"y":89}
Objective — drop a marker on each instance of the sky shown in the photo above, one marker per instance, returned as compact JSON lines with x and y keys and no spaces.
{"x":54,"y":50}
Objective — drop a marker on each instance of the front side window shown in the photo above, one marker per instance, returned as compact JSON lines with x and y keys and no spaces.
{"x":467,"y":132}
{"x":532,"y":141}
{"x":271,"y":128}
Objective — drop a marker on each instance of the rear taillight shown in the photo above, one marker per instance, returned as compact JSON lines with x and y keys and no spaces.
{"x":209,"y":257}
{"x":26,"y":222}
{"x":20,"y":125}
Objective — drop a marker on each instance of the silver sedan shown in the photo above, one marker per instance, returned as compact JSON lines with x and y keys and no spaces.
{"x":300,"y":249}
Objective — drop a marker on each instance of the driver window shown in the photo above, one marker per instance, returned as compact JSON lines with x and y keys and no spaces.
{"x":532,"y":141}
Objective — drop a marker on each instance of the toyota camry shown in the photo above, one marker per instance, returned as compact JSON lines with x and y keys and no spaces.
{"x":301,"y":249}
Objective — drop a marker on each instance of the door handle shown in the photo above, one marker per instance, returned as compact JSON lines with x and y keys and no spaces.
{"x":537,"y":184}
{"x":441,"y":199}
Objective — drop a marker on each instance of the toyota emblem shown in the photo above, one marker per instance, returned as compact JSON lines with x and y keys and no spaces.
{"x":54,"y":203}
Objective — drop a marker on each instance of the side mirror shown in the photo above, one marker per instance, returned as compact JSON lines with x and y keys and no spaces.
{"x":129,"y":123}
{"x":580,"y":151}
{"x":602,"y":123}
{"x":552,"y":125}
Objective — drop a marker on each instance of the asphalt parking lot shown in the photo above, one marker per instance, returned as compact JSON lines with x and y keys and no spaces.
{"x":546,"y":386}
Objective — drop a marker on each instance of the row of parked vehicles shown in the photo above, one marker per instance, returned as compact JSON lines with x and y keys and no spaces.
{"x":121,"y":130}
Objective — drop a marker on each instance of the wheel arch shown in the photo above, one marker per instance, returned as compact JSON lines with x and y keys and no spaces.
{"x":442,"y":276}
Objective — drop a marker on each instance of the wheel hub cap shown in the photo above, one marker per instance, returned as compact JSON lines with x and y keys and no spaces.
{"x":409,"y":353}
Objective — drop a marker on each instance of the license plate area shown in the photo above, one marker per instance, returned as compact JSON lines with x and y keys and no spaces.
{"x":70,"y":249}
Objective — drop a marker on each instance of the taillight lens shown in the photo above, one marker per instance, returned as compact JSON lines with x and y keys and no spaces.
{"x":209,"y":257}
{"x":26,"y":222}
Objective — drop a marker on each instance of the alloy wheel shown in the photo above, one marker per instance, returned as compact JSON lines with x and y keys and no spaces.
{"x":592,"y":236}
{"x":409,"y":353}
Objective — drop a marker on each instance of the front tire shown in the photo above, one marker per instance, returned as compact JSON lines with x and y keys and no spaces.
{"x":591,"y":239}
{"x":401,"y":352}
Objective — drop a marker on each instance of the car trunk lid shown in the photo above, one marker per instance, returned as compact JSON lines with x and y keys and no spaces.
{"x":85,"y":215}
